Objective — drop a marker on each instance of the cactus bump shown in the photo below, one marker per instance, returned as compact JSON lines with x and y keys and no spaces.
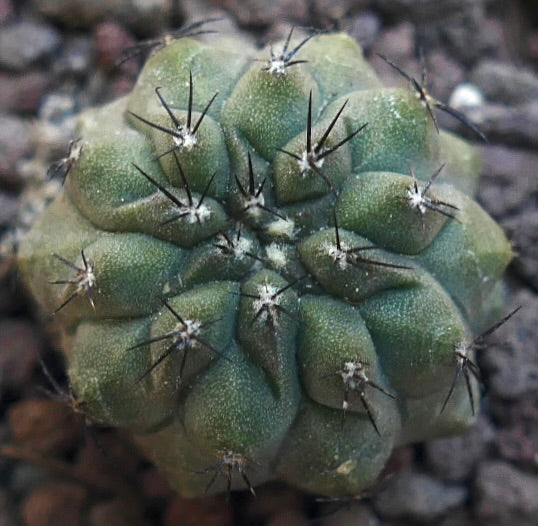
{"x":266,"y":265}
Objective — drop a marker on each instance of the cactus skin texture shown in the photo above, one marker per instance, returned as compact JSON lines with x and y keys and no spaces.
{"x":297,"y":318}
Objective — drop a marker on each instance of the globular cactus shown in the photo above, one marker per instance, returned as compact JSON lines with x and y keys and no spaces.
{"x":250,"y":268}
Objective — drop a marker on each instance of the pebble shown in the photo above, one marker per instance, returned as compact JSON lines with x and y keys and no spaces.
{"x":422,"y":9}
{"x":20,"y":347}
{"x":505,"y":83}
{"x":458,"y":517}
{"x":461,"y":32}
{"x":398,"y":45}
{"x":366,"y":29}
{"x":523,"y":233}
{"x":509,"y":181}
{"x":506,"y":496}
{"x":9,"y":206}
{"x":271,"y":498}
{"x":511,"y":125}
{"x":288,"y":518}
{"x":465,"y":96}
{"x":153,"y":484}
{"x":44,"y":426}
{"x":6,"y":11}
{"x":353,"y":514}
{"x":55,"y":503}
{"x":444,"y":74}
{"x":260,"y":13}
{"x":22,"y":93}
{"x":5,"y":462}
{"x":76,"y":56}
{"x":115,"y":512}
{"x":24,"y":43}
{"x":14,"y":145}
{"x":105,"y":455}
{"x":510,"y":358}
{"x":57,"y":106}
{"x":417,"y":496}
{"x":25,"y":477}
{"x":110,"y":41}
{"x":147,"y":17}
{"x":210,"y":511}
{"x":518,"y":444}
{"x":7,"y":514}
{"x":454,"y":459}
{"x":330,"y":14}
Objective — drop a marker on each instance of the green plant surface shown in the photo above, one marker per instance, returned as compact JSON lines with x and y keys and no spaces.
{"x":248,"y":308}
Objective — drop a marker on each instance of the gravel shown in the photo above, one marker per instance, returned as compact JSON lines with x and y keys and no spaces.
{"x":25,"y":43}
{"x":147,"y":17}
{"x":505,"y":495}
{"x":419,"y":497}
{"x":513,"y":125}
{"x":454,"y":459}
{"x":511,"y":359}
{"x":57,"y":57}
{"x":14,"y":145}
{"x":505,"y":83}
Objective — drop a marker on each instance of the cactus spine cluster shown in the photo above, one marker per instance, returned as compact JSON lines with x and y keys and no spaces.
{"x":269,"y":268}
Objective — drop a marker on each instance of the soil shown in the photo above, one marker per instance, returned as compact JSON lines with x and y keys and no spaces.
{"x":60,"y":56}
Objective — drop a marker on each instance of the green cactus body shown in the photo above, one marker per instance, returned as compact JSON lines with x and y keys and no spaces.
{"x":242,"y":304}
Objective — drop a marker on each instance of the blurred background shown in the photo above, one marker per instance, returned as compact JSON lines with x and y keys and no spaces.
{"x":58,"y":57}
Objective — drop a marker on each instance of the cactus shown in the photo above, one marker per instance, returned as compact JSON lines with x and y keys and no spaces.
{"x":269,"y":268}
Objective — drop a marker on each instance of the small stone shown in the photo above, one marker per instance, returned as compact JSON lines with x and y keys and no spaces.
{"x":514,"y":125}
{"x":20,"y":348}
{"x":510,"y":358}
{"x":116,"y":513}
{"x":23,"y":93}
{"x":7,"y":513}
{"x":398,"y":45}
{"x":56,"y":107}
{"x":419,"y":497}
{"x":509,"y":183}
{"x":53,"y":504}
{"x":5,"y":462}
{"x":211,"y":511}
{"x":6,"y":11}
{"x":120,"y":86}
{"x":153,"y":484}
{"x":45,"y":426}
{"x":365,"y":29}
{"x":522,"y":230}
{"x":271,"y":498}
{"x":444,"y":73}
{"x":288,"y":518}
{"x":147,"y":17}
{"x":458,"y":517}
{"x":110,"y":40}
{"x":8,"y":211}
{"x":76,"y":56}
{"x":505,"y":83}
{"x":454,"y":459}
{"x":25,"y":477}
{"x":466,"y":96}
{"x":462,"y":32}
{"x":421,"y":10}
{"x":349,"y":515}
{"x":24,"y":43}
{"x":334,"y":13}
{"x":14,"y":145}
{"x":518,"y":444}
{"x":506,"y":495}
{"x":105,"y":458}
{"x":260,"y":13}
